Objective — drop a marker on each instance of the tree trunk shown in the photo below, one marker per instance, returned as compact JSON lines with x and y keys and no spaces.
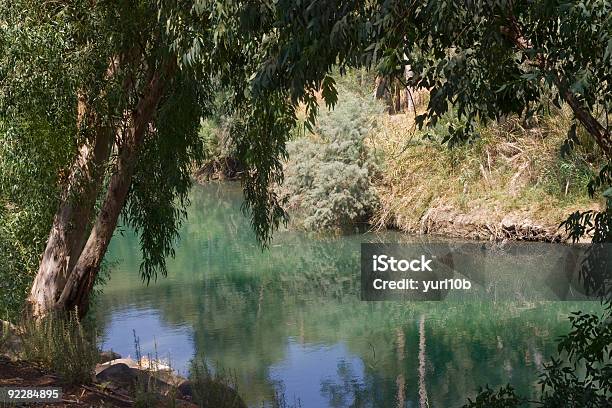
{"x":380,"y":87}
{"x":72,"y":260}
{"x":69,"y":229}
{"x":80,"y":282}
{"x":397,"y":98}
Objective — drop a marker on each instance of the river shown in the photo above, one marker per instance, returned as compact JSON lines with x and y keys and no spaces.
{"x":289,"y":319}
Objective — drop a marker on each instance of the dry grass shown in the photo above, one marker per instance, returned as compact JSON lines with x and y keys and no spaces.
{"x":510,"y":171}
{"x":61,"y":343}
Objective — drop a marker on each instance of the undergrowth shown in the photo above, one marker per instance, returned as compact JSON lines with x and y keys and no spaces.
{"x":511,"y":167}
{"x":62,"y":344}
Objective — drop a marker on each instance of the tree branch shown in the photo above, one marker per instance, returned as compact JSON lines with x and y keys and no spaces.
{"x":591,"y":124}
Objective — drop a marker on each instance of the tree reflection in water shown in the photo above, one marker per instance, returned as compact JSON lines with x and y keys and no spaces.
{"x":295,"y":309}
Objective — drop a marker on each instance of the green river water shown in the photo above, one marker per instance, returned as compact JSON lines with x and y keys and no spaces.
{"x":290,"y":319}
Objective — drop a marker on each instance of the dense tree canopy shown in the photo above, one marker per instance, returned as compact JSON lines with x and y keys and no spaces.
{"x":108,"y":98}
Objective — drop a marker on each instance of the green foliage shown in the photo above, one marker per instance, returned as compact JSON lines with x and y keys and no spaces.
{"x":329,"y":175}
{"x":220,"y":156}
{"x":358,"y":81}
{"x":35,"y":147}
{"x":38,"y":138}
{"x":580,"y":377}
{"x":485,"y":59}
{"x":586,"y":379}
{"x":502,"y":398}
{"x":215,"y":139}
{"x":63,"y":345}
{"x":52,"y":54}
{"x":28,"y":198}
{"x":593,"y":223}
{"x":568,"y":176}
{"x":161,"y":183}
{"x":263,"y":130}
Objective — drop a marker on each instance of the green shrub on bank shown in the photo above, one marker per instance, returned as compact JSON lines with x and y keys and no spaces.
{"x":63,"y":345}
{"x":328,"y":179}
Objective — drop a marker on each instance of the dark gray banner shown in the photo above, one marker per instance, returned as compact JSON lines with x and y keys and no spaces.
{"x":493,"y":271}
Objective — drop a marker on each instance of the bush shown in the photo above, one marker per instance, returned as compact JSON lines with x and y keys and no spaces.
{"x":61,"y":344}
{"x":328,"y":178}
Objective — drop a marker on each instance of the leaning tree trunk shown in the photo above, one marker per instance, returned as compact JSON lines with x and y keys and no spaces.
{"x":69,"y":229}
{"x":80,"y":283}
{"x":70,"y":263}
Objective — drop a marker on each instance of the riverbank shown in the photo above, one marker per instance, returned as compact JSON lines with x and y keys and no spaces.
{"x":22,"y":374}
{"x":364,"y":165}
{"x":510,"y":183}
{"x":28,"y":359}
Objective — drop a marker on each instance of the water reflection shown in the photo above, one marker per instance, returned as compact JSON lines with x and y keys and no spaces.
{"x":291,"y":318}
{"x":169,"y":343}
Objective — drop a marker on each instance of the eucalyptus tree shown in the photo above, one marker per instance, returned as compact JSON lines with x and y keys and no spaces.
{"x":123,"y":87}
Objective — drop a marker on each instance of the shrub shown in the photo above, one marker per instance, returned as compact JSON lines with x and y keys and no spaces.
{"x":328,"y":178}
{"x":61,"y":344}
{"x":220,"y":157}
{"x":28,"y":200}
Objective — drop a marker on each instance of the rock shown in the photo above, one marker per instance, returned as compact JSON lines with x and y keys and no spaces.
{"x":119,"y":373}
{"x":145,"y":364}
{"x":127,"y":361}
{"x":186,"y":388}
{"x":509,"y":222}
{"x":107,"y":356}
{"x":125,"y":373}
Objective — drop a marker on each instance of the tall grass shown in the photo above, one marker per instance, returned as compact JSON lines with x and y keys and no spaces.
{"x":60,"y":343}
{"x":217,"y":389}
{"x":5,"y":334}
{"x":510,"y":168}
{"x":155,"y":383}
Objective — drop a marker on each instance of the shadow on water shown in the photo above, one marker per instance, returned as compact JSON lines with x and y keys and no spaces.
{"x":291,"y":318}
